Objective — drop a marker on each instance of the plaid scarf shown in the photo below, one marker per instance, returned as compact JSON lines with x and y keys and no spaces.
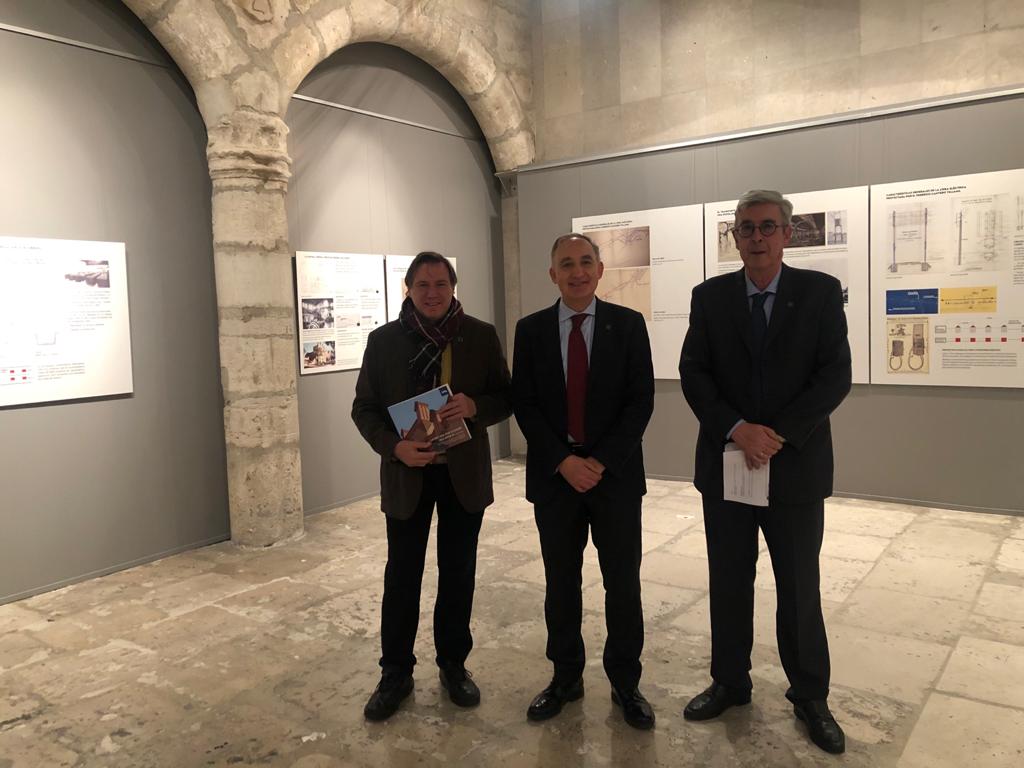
{"x":425,"y":365}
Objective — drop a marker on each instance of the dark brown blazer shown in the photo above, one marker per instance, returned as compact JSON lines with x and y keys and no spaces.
{"x":478,"y":370}
{"x":806,"y":373}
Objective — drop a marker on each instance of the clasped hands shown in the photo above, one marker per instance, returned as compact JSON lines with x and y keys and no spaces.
{"x":414,"y":453}
{"x":581,"y":473}
{"x":758,"y":443}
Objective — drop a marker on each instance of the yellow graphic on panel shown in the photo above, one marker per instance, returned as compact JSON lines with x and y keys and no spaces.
{"x":959,"y":300}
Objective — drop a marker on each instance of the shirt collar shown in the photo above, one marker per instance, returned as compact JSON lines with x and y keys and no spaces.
{"x":565,"y":312}
{"x":772,"y":287}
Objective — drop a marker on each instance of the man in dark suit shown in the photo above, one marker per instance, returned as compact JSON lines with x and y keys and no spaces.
{"x":764,"y":363}
{"x":432,"y":343}
{"x":583,"y":391}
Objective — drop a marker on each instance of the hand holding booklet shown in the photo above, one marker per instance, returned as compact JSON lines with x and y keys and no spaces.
{"x":740,"y":483}
{"x":417,"y":419}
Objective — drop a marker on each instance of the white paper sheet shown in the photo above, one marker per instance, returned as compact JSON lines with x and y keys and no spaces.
{"x":747,"y":486}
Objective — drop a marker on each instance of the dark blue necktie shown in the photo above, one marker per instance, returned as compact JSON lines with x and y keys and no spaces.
{"x":758,"y":330}
{"x":758,"y":321}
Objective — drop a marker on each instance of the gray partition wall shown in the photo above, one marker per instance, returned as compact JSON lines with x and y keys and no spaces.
{"x":941,"y":446}
{"x":403,"y":169}
{"x":99,"y":146}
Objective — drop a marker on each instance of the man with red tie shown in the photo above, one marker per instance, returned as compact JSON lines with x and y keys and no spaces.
{"x":583,"y":392}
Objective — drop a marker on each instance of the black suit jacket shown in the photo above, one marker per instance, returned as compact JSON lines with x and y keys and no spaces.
{"x":806,"y":374}
{"x":478,"y":370}
{"x":620,"y":399}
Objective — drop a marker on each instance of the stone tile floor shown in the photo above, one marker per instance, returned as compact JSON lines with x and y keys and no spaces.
{"x":222,"y":657}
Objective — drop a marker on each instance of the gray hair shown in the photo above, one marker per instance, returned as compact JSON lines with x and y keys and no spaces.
{"x":569,"y":236}
{"x":759,"y":196}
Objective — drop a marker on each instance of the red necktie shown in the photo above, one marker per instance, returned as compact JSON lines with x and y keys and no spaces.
{"x":576,"y":379}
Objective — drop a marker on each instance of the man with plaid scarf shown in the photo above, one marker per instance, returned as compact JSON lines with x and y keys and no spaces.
{"x":432,"y":343}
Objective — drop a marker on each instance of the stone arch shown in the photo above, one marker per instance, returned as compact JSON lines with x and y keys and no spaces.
{"x":467,"y":48}
{"x":244,"y":60}
{"x":249,"y":56}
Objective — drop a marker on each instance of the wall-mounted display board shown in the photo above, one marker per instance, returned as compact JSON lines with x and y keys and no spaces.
{"x":830,"y":234}
{"x":947,"y":277}
{"x":651,"y":259}
{"x":396,"y":268}
{"x":340,"y":299}
{"x":64,"y":330}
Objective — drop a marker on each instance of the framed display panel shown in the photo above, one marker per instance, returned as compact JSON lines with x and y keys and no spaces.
{"x":64,"y":326}
{"x":947,"y":277}
{"x":340,"y":300}
{"x":651,"y":258}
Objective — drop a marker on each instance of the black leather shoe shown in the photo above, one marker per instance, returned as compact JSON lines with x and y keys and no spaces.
{"x":821,"y":726}
{"x":635,"y":708}
{"x":549,"y":702}
{"x":714,"y":701}
{"x":460,"y":686}
{"x":388,"y":695}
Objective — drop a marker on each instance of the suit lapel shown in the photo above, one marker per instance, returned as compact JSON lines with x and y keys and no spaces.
{"x":602,"y":349}
{"x":739,"y":308}
{"x":599,"y":345}
{"x":552,"y":350}
{"x":458,"y":345}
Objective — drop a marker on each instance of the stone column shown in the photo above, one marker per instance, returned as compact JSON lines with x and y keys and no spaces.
{"x":249,"y":166}
{"x":513,"y":283}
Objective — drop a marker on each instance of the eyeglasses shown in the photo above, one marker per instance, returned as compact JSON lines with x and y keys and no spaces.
{"x":746,"y":229}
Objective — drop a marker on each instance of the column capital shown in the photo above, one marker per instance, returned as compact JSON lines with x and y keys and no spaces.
{"x":249,"y":145}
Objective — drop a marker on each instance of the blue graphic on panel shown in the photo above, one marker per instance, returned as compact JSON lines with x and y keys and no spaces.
{"x":920,"y":302}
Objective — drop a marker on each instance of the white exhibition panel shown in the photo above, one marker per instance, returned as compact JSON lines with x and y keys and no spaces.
{"x":64,"y":326}
{"x":652,"y":260}
{"x":830,"y":234}
{"x":340,"y":300}
{"x":396,"y":267}
{"x":947,"y":275}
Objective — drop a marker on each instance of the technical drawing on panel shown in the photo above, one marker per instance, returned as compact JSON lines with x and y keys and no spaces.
{"x":908,"y":239}
{"x":980,"y":233}
{"x":628,"y":287}
{"x":835,"y":222}
{"x":907,"y":344}
{"x":623,"y":246}
{"x":626,"y":253}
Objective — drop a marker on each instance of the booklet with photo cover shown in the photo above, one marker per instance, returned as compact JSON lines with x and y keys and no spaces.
{"x":417,"y":419}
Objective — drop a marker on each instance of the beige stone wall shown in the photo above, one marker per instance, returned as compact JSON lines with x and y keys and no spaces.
{"x":614,"y":74}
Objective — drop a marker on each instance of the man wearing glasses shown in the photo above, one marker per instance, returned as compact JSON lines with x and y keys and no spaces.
{"x":764,"y":363}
